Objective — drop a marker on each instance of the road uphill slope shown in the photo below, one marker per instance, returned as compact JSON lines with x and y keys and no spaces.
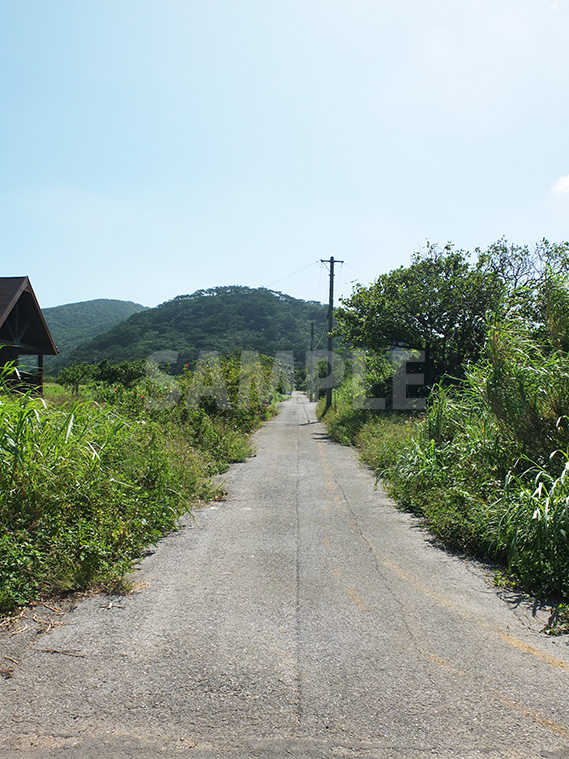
{"x":304,"y":617}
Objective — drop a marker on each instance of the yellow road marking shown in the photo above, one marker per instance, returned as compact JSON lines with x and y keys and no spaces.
{"x":444,"y":664}
{"x":448,"y":604}
{"x":527,"y":649}
{"x":355,"y":598}
{"x":436,"y":597}
{"x":534,"y":716}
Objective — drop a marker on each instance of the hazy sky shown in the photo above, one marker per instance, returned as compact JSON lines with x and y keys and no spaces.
{"x":156,"y":147}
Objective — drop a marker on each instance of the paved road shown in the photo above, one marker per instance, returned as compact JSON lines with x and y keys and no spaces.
{"x":303,"y":617}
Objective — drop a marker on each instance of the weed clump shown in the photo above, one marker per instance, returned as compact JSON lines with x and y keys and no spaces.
{"x":87,"y":483}
{"x":487,"y":465}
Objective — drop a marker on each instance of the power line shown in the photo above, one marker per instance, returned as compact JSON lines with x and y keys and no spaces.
{"x":319,"y":281}
{"x":321,"y":335}
{"x":288,"y":276}
{"x":341,"y":277}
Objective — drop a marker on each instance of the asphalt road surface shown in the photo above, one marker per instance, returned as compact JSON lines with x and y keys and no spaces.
{"x":303,"y":617}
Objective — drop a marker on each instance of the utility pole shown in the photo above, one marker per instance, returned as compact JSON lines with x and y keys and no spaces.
{"x":331,"y":262}
{"x":311,"y":380}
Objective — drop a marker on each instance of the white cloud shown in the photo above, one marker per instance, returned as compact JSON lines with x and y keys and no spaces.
{"x":561,"y":186}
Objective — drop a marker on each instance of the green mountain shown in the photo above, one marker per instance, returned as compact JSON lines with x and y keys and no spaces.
{"x":221,"y":319}
{"x":76,"y":323}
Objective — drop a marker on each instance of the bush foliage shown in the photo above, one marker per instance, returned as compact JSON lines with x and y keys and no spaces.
{"x":87,"y":483}
{"x":487,"y":464}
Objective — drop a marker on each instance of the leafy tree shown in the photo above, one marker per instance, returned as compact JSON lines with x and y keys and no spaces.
{"x":555,"y":309}
{"x":524,"y":267}
{"x":127,"y":373}
{"x":438,"y":304}
{"x":532,"y":278}
{"x":75,"y":375}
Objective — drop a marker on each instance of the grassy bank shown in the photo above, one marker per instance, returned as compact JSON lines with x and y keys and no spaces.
{"x":487,"y":466}
{"x":86,"y":483}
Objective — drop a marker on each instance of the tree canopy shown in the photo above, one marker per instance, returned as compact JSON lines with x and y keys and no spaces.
{"x":441,"y":303}
{"x":222,"y":319}
{"x":438,"y":304}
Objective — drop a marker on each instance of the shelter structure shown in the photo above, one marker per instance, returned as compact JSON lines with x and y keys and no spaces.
{"x":24,"y":335}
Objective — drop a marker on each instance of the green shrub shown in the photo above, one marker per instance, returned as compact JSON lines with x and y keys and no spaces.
{"x":533,"y":528}
{"x":81,"y":493}
{"x":86,"y":485}
{"x":463,"y":467}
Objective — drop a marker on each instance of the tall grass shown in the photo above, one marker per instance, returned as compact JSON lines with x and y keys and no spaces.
{"x":533,"y":529}
{"x":487,"y":467}
{"x":86,"y":485}
{"x":81,"y":493}
{"x":378,"y":435}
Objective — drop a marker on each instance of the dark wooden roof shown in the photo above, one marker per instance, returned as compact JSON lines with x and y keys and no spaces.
{"x":22,"y":325}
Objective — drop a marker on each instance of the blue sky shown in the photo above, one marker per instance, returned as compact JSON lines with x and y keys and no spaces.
{"x":156,"y":147}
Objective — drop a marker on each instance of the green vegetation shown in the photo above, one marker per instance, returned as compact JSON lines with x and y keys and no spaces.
{"x":223,"y":319}
{"x":76,"y":323}
{"x":87,"y":483}
{"x":440,"y":304}
{"x":127,"y":373}
{"x":487,"y":464}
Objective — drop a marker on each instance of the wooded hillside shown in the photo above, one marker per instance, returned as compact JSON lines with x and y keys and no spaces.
{"x":76,"y":323}
{"x":222,"y":319}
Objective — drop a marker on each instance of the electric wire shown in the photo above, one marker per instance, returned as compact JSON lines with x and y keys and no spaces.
{"x":294,"y":273}
{"x":319,"y":281}
{"x":341,"y":279}
{"x":321,"y":335}
{"x":288,"y":276}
